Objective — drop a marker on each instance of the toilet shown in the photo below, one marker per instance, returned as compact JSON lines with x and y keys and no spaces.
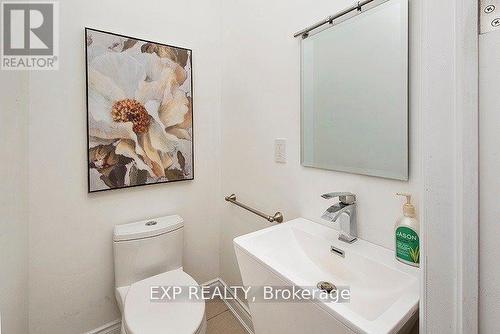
{"x":149,"y":253}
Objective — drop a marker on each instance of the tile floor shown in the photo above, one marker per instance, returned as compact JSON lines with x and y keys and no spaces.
{"x":415,"y":329}
{"x":220,"y":320}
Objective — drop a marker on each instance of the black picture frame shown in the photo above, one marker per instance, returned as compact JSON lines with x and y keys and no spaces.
{"x":192,"y":176}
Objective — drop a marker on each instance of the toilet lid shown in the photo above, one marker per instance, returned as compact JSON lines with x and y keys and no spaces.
{"x":143,"y":316}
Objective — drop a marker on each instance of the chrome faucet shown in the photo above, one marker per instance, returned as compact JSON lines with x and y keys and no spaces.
{"x":347,"y":205}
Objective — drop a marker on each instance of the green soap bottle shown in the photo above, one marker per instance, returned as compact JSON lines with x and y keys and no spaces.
{"x":407,"y":235}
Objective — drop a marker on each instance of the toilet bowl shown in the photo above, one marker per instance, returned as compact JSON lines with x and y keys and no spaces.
{"x":141,"y":315}
{"x":149,"y":254}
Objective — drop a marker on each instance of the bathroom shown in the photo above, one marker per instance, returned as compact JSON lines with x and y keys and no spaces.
{"x":57,"y":251}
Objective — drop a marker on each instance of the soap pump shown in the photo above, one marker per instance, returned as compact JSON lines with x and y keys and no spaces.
{"x":407,"y":234}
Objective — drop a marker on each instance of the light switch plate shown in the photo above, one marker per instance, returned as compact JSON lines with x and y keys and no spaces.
{"x":280,"y":150}
{"x":489,"y":16}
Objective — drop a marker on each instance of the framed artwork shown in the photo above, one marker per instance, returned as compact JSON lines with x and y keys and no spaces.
{"x":139,"y":112}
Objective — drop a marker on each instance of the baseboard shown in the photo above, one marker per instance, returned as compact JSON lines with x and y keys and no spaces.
{"x":234,"y":304}
{"x":113,"y":327}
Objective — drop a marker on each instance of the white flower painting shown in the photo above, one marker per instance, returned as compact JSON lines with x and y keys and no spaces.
{"x":140,"y":112}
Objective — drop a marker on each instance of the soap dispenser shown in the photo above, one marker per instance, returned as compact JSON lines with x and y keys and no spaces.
{"x":407,"y":234}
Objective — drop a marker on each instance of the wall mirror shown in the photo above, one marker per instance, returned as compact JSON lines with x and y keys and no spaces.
{"x":354,"y":113}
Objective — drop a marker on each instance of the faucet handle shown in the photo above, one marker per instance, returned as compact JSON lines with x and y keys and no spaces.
{"x":344,"y":197}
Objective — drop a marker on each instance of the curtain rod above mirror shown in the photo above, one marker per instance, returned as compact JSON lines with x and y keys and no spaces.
{"x":329,"y":20}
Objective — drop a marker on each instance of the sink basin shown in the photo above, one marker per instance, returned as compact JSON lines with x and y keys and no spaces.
{"x":384,"y":293}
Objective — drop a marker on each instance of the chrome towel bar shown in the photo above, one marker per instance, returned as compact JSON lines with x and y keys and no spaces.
{"x":278,"y":216}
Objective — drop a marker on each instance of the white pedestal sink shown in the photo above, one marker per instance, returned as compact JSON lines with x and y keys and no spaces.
{"x":384,"y":293}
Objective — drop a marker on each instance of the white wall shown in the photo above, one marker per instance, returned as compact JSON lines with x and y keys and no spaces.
{"x":440,"y":214}
{"x":489,"y":307}
{"x":14,"y":202}
{"x":261,"y":102}
{"x":71,"y":263}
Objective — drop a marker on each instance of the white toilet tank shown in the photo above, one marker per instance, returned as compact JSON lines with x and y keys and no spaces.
{"x":147,"y":248}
